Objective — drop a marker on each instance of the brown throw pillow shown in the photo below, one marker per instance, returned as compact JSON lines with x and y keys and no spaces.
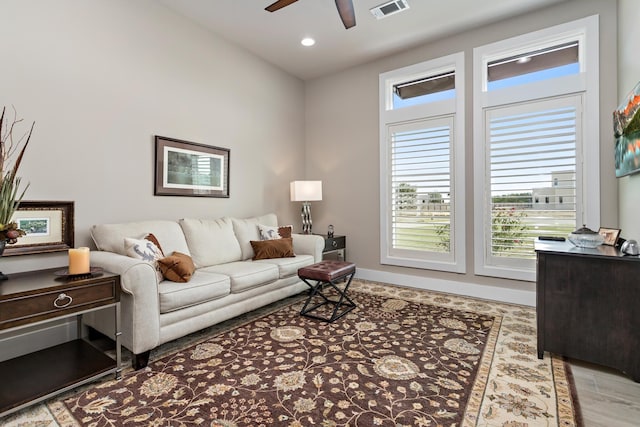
{"x":277,"y":248}
{"x":178,"y":267}
{"x":285,"y":232}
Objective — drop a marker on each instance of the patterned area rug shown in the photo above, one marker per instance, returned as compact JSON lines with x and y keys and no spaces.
{"x":404,"y":357}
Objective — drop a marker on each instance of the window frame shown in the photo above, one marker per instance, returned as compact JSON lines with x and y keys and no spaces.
{"x":390,"y":117}
{"x":588,"y":154}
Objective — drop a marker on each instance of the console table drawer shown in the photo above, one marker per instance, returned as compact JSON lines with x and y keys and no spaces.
{"x":334,"y":243}
{"x":57,"y":301}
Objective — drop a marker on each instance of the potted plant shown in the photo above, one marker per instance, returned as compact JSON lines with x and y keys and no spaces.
{"x":11,"y":153}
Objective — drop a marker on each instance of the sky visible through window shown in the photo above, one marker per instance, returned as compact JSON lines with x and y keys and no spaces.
{"x":536,"y":76}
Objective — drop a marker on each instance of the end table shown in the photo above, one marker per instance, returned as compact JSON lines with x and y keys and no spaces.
{"x":334,"y":247}
{"x":37,"y":298}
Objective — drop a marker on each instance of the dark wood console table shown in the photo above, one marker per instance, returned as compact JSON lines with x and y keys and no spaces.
{"x":588,"y":305}
{"x":37,"y":298}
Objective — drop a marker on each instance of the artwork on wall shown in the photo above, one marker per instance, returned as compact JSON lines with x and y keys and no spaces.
{"x":49,"y":227}
{"x":626,"y":128}
{"x":186,"y":168}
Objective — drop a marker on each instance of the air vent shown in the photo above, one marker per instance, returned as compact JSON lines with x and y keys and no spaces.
{"x":389,"y":8}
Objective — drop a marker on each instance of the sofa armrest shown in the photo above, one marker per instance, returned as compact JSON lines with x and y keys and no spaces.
{"x":140,"y":305}
{"x":308,"y":244}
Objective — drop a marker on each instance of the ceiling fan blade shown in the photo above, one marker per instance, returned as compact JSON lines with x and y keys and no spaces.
{"x":279,"y":5}
{"x":347,"y":14}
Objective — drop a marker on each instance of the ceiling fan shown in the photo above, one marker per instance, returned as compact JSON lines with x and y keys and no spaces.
{"x":345,"y":9}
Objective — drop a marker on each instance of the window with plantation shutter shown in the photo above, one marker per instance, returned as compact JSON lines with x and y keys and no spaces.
{"x":422,"y":166}
{"x":532,"y":167}
{"x":421,"y":185}
{"x":536,"y":145}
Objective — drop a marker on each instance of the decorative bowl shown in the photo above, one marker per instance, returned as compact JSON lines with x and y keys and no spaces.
{"x":585,"y":238}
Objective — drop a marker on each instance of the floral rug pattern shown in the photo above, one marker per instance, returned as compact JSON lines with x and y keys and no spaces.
{"x":404,"y":357}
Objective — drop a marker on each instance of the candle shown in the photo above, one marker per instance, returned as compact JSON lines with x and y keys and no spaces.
{"x":79,"y":261}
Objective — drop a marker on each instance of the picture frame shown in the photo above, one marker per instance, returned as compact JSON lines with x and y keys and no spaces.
{"x":49,"y":226}
{"x":610,"y":235}
{"x":184,"y":168}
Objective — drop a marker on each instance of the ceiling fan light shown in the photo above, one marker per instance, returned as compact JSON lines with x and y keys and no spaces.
{"x":307,"y":41}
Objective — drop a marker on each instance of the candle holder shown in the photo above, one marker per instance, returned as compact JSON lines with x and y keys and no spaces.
{"x":93,"y":272}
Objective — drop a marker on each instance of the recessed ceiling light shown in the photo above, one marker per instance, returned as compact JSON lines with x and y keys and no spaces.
{"x":308,"y":41}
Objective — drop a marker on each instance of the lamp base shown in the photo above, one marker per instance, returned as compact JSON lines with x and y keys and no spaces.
{"x":306,"y":218}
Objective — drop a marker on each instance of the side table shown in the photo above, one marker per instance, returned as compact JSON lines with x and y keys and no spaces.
{"x":37,"y":298}
{"x":334,"y":247}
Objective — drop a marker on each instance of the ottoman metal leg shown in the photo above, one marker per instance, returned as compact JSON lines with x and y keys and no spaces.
{"x":343,"y":302}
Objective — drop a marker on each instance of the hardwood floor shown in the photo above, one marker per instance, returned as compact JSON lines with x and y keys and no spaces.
{"x":607,"y":397}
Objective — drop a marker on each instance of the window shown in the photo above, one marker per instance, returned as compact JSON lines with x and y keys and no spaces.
{"x":424,"y":90}
{"x":422,"y":165}
{"x":557,"y":59}
{"x":534,"y":134}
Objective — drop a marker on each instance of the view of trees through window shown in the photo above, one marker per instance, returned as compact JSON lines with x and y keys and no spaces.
{"x":423,"y":222}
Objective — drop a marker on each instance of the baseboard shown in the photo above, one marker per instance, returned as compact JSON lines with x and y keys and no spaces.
{"x":513,"y":296}
{"x":30,"y":339}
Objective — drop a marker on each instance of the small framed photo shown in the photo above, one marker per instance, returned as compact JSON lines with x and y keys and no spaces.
{"x":186,"y":168}
{"x":610,"y":235}
{"x":49,"y":227}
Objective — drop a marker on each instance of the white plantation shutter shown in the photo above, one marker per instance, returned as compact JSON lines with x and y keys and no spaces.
{"x":422,"y":165}
{"x":420,"y":182}
{"x":536,"y":144}
{"x":532,"y":167}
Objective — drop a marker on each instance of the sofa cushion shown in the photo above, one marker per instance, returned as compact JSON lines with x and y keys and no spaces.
{"x":211,"y":241}
{"x":203,"y":286}
{"x":178,"y":267}
{"x":288,"y":266}
{"x":247,"y":230}
{"x":110,"y":237}
{"x":275,"y":248}
{"x":246,"y":274}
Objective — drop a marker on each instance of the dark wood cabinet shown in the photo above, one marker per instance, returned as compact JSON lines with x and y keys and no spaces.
{"x":334,"y":247}
{"x":588,"y":305}
{"x":37,"y":298}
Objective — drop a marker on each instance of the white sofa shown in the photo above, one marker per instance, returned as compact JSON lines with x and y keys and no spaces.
{"x":226,"y":283}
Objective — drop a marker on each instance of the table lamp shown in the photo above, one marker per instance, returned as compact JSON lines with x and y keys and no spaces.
{"x":305,"y":192}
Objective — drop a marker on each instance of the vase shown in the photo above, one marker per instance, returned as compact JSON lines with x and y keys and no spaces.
{"x":3,"y":244}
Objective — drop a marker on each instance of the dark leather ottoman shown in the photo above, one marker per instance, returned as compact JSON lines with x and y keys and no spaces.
{"x":328,"y":273}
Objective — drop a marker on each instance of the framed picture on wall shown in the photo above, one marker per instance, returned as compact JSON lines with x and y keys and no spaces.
{"x":49,"y":227}
{"x":184,"y":168}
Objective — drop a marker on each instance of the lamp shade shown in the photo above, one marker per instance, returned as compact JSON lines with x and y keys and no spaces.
{"x":306,"y":191}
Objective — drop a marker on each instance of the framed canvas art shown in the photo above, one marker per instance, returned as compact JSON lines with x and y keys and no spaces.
{"x":184,"y":168}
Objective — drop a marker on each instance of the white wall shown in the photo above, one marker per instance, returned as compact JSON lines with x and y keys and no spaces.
{"x":628,"y":77}
{"x":101,"y":77}
{"x":342,"y":139}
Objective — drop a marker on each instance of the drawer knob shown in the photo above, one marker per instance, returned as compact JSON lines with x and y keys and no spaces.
{"x":60,"y":301}
{"x":334,"y":244}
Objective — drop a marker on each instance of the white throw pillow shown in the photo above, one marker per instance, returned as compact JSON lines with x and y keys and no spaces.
{"x":268,"y":233}
{"x":144,"y":250}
